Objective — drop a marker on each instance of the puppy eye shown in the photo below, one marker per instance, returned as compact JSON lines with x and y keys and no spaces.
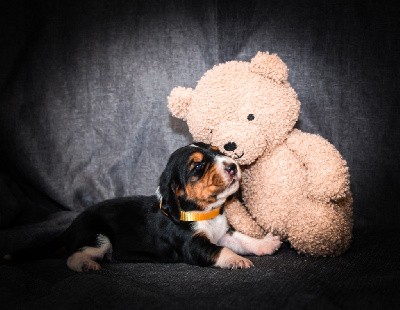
{"x":198,"y":167}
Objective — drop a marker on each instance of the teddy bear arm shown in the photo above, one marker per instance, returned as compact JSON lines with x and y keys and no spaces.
{"x":327,"y":172}
{"x":241,"y":220}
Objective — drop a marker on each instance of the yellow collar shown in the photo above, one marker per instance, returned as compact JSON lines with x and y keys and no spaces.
{"x":195,"y":216}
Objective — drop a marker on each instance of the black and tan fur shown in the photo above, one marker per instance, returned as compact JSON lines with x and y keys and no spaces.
{"x":148,"y":228}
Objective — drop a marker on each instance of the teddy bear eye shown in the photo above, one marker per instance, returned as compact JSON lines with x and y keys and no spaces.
{"x":251,"y":117}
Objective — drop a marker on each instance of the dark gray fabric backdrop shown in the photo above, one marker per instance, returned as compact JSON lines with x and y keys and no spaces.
{"x":83,"y":87}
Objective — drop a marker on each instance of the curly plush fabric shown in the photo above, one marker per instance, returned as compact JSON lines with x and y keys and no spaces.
{"x":295,"y":184}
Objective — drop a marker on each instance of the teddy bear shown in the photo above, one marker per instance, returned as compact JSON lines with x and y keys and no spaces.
{"x":295,"y":185}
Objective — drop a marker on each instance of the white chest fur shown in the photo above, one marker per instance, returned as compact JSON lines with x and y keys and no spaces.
{"x":214,"y":229}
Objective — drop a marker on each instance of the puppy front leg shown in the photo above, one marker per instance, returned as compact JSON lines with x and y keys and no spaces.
{"x":200,"y":251}
{"x":229,"y":259}
{"x":245,"y":245}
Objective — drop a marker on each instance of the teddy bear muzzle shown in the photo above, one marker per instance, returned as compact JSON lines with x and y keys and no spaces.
{"x":244,"y":149}
{"x":231,"y":147}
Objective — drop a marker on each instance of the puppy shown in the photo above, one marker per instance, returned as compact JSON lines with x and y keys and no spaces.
{"x":183,"y":222}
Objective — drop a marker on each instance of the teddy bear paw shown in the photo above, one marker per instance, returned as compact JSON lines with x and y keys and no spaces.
{"x":268,"y":245}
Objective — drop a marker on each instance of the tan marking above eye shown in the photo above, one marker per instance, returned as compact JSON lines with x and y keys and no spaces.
{"x":196,"y":157}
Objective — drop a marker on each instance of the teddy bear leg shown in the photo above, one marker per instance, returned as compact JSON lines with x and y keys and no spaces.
{"x":245,"y":245}
{"x":240,"y":219}
{"x":322,"y":229}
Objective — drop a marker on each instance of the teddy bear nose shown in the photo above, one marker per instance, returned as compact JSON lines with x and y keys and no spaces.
{"x":230,"y":146}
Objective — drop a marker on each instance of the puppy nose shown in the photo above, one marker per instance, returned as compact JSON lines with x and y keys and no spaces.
{"x":230,"y":146}
{"x":231,"y":169}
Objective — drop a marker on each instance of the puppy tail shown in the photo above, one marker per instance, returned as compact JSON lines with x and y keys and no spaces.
{"x":52,"y":249}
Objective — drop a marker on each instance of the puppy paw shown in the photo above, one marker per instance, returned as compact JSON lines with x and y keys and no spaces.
{"x":80,"y":262}
{"x":239,"y":263}
{"x":230,"y":260}
{"x":268,"y":245}
{"x":90,"y":265}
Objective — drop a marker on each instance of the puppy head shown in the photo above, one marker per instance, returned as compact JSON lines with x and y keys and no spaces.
{"x":197,"y":177}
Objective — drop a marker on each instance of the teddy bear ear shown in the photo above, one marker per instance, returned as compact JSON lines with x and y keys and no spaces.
{"x":179,"y":101}
{"x":269,"y":66}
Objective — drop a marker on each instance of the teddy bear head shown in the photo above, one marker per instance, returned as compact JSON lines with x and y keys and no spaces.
{"x":243,"y":108}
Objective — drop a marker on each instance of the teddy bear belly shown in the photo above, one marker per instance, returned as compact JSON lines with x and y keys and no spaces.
{"x":273,"y":188}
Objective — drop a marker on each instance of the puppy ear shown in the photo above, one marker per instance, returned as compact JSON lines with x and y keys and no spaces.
{"x":167,"y":194}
